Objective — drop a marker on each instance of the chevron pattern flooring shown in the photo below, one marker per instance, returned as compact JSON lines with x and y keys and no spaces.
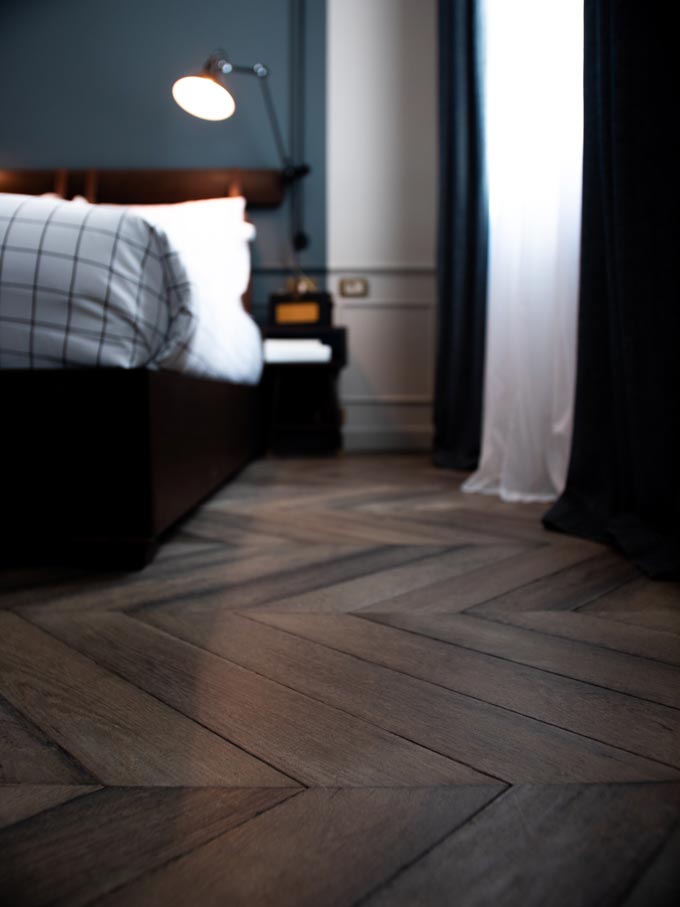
{"x":344,"y":682}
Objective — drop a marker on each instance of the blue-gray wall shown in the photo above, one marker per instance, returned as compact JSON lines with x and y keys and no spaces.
{"x":86,"y":83}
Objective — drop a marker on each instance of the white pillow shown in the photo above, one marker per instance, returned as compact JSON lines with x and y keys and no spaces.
{"x":211,"y":236}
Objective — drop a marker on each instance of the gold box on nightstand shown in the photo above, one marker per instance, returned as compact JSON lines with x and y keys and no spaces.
{"x":309,"y":309}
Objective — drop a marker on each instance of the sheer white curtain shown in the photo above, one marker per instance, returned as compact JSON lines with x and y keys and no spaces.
{"x":534,"y":133}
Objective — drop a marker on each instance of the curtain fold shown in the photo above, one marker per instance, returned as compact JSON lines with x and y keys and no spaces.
{"x":462,"y":240}
{"x":623,"y":485}
{"x":534,"y":129}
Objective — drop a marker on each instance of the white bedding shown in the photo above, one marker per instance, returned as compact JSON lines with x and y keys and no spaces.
{"x":97,"y":285}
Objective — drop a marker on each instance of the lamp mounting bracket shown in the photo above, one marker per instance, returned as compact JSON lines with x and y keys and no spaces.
{"x":218,"y":66}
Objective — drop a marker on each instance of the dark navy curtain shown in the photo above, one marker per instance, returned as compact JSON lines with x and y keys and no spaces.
{"x":462,"y":250}
{"x":623,"y":485}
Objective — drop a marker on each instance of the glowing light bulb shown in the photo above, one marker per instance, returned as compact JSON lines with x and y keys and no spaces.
{"x":203,"y":97}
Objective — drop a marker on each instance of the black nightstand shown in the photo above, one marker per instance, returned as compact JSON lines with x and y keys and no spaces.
{"x":303,"y":412}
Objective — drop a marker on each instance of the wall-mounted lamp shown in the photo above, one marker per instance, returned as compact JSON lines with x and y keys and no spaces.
{"x":203,"y":95}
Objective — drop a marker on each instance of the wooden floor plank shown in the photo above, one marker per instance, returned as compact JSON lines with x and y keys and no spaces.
{"x":309,"y":580}
{"x":232,"y":529}
{"x":248,"y":503}
{"x":222,"y":574}
{"x":79,"y":851}
{"x":655,"y":606}
{"x":351,"y":528}
{"x":288,"y":496}
{"x":323,"y":847}
{"x":511,"y":574}
{"x":371,"y":589}
{"x":644,"y":728}
{"x":396,"y":500}
{"x":181,"y":544}
{"x":21,"y":801}
{"x":27,"y":756}
{"x":113,"y":589}
{"x":612,"y":670}
{"x":359,"y":625}
{"x":597,"y":631}
{"x":402,"y":529}
{"x":659,"y":885}
{"x":322,"y":512}
{"x":426,"y":498}
{"x":567,"y":589}
{"x":503,"y":744}
{"x":647,"y":728}
{"x":535,"y":846}
{"x":469,"y":520}
{"x":315,"y":743}
{"x":120,"y":734}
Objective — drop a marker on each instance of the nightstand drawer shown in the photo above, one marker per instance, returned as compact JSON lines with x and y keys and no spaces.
{"x":303,"y":410}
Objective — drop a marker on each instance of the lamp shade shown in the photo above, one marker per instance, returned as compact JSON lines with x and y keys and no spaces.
{"x":203,"y":97}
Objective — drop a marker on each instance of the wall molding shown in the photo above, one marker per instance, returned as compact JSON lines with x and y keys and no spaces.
{"x":392,"y":399}
{"x":401,"y":270}
{"x":368,"y":303}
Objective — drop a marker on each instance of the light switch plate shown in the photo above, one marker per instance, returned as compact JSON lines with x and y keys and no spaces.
{"x":353,"y":286}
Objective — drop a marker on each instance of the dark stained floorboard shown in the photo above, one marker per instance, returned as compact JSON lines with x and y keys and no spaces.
{"x":311,"y":741}
{"x":120,"y":734}
{"x":27,"y":756}
{"x":343,"y":682}
{"x":313,"y":850}
{"x":21,"y":801}
{"x":73,"y":854}
{"x":599,"y":713}
{"x":543,"y":845}
{"x":611,"y":670}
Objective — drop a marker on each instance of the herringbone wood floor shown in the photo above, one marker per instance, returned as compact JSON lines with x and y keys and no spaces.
{"x":341,"y":682}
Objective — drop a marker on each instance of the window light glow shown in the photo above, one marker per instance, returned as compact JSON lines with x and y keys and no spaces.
{"x":203,"y":97}
{"x":533,"y":94}
{"x":534,"y":107}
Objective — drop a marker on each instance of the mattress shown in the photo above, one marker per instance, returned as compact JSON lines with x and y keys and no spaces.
{"x":86,"y":286}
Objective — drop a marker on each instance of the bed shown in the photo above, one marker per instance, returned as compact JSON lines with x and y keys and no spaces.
{"x":97,"y":464}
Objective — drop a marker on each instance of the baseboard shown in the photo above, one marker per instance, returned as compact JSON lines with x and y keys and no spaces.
{"x":358,"y":439}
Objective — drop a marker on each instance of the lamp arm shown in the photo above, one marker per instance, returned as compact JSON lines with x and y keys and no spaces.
{"x":219,"y":65}
{"x":274,"y":122}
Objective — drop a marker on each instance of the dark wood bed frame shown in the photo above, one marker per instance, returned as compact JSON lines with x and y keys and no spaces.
{"x":97,"y":464}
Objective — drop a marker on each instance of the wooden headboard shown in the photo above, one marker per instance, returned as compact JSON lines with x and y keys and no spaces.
{"x":261,"y":188}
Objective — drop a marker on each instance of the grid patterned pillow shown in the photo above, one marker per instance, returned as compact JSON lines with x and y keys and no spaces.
{"x":89,"y":286}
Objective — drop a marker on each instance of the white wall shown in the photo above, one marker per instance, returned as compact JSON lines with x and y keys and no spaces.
{"x":382,"y":161}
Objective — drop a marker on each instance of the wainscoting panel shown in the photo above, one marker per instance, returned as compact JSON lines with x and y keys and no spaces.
{"x":381,"y":426}
{"x":387,"y":386}
{"x":381,"y":208}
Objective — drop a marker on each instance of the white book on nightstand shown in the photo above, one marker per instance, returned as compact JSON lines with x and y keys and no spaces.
{"x":296,"y":350}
